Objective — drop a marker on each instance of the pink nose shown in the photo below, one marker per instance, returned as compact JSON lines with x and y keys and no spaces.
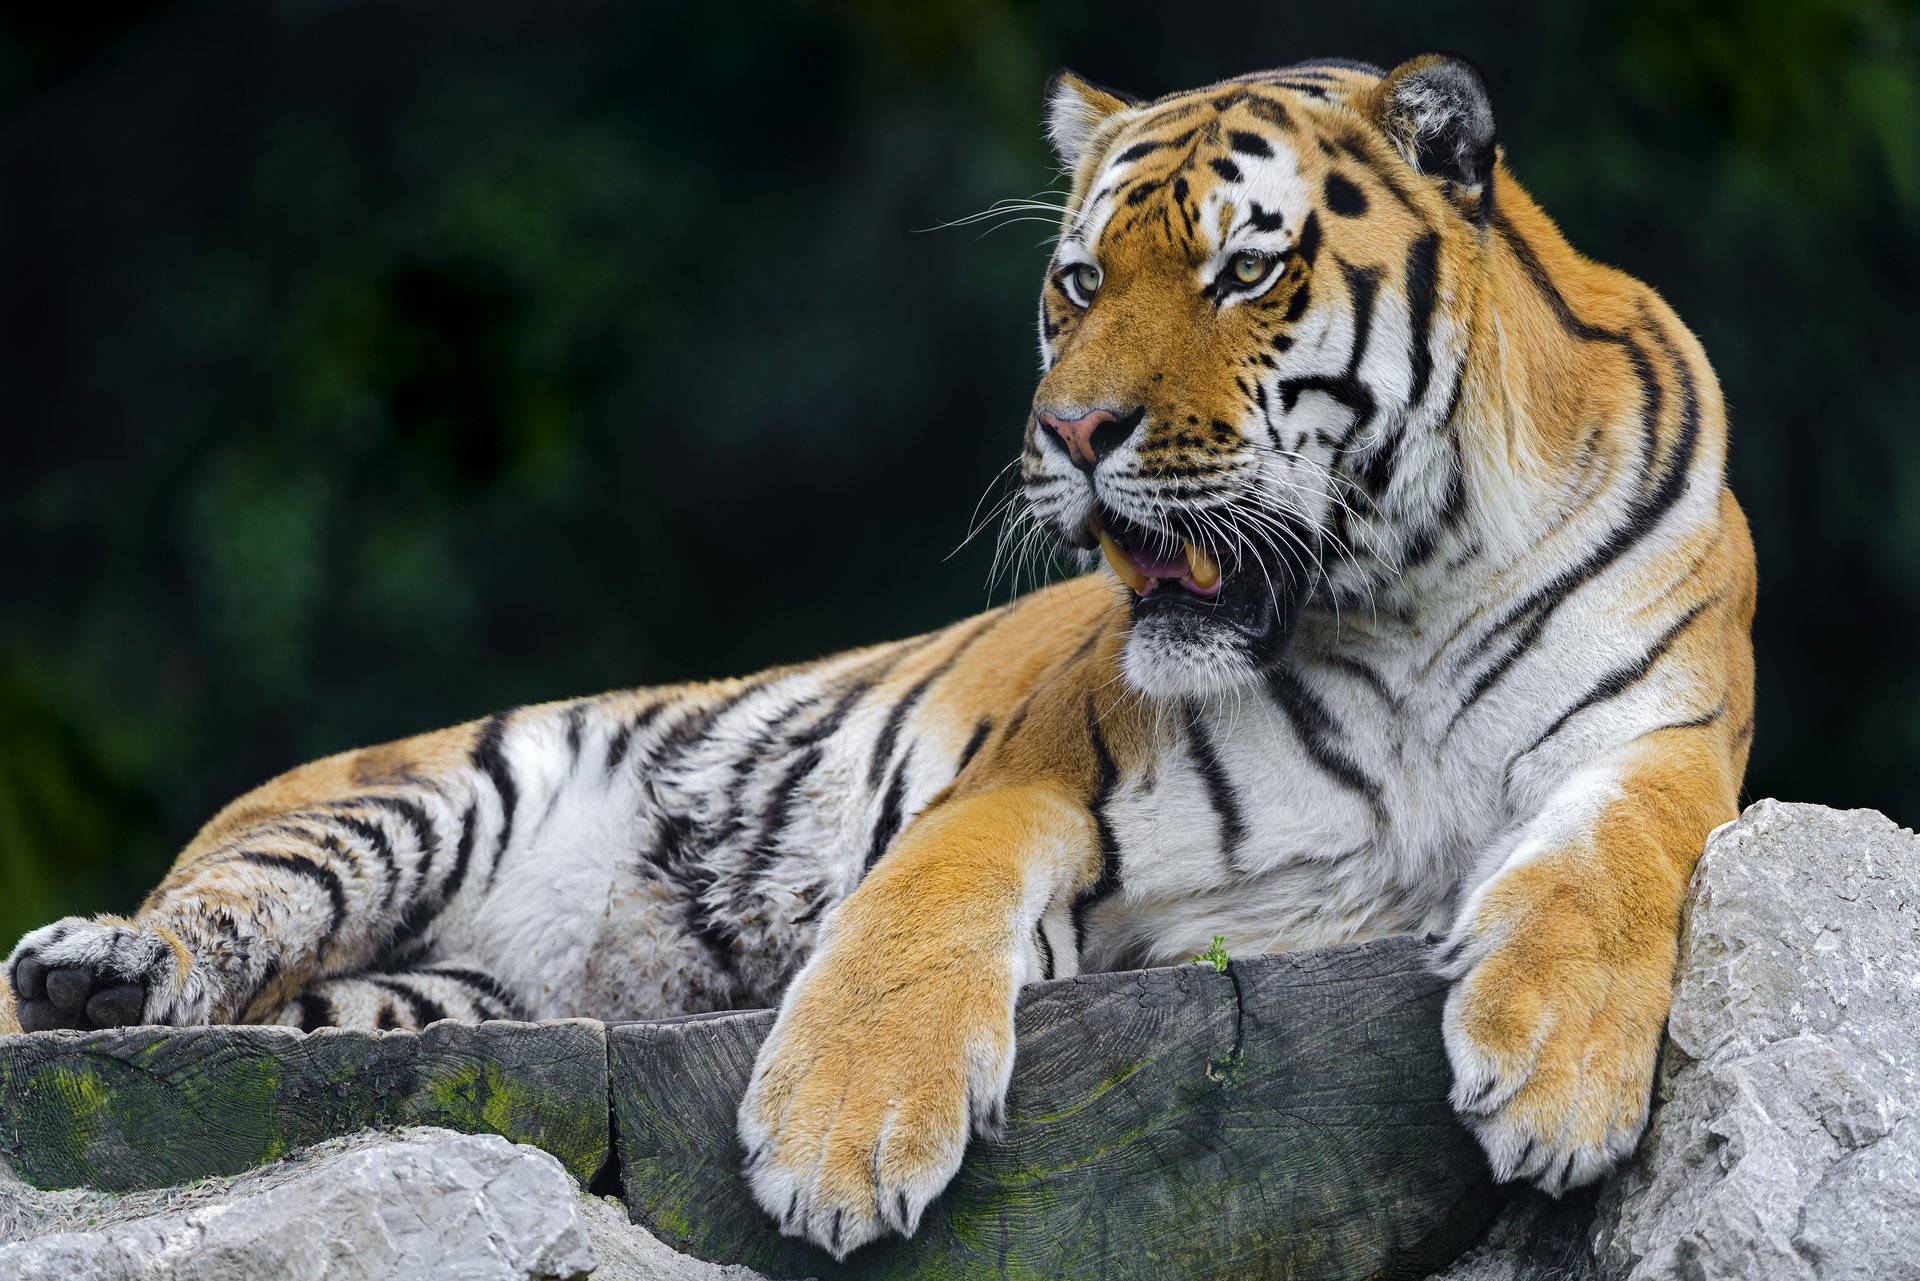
{"x":1090,"y":437}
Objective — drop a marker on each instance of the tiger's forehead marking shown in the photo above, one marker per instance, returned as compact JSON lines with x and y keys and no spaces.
{"x":1201,"y":172}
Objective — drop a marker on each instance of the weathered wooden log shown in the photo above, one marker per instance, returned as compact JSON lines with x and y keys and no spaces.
{"x":149,"y":1107}
{"x":1287,"y":1118}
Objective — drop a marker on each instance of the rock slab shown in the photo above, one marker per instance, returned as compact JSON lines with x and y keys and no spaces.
{"x":429,"y":1204}
{"x":152,"y":1107}
{"x":380,"y":1204}
{"x":1786,"y":1143}
{"x":1287,"y":1118}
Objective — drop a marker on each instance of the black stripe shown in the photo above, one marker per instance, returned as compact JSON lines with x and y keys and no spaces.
{"x":315,"y":1012}
{"x":425,"y":835}
{"x":1151,"y":145}
{"x":978,"y":740}
{"x":462,"y":856}
{"x":1307,"y":248}
{"x":1270,"y":111}
{"x":382,"y":848}
{"x":1220,"y":791}
{"x":1698,"y":722}
{"x":268,"y":973}
{"x":1363,"y":286}
{"x":1248,"y":144}
{"x":411,"y":998}
{"x":890,"y":732}
{"x":622,"y":740}
{"x":1046,"y":949}
{"x":1263,"y":219}
{"x":485,"y":984}
{"x":817,"y":901}
{"x":717,"y":933}
{"x":325,"y":877}
{"x":1543,"y":283}
{"x":1643,"y":515}
{"x":1019,"y":717}
{"x":415,"y":815}
{"x":576,"y":720}
{"x":409,"y":937}
{"x":1343,"y":198}
{"x":489,"y":757}
{"x":1315,"y":728}
{"x":385,"y":1021}
{"x":424,"y":1008}
{"x":778,"y":808}
{"x":1345,"y":387}
{"x":1423,"y":267}
{"x":1378,"y":468}
{"x":1357,"y":147}
{"x":888,"y":824}
{"x":1228,"y":171}
{"x":1587,"y":332}
{"x":1363,"y":673}
{"x":1620,"y":679}
{"x":1106,"y":776}
{"x":761,"y":750}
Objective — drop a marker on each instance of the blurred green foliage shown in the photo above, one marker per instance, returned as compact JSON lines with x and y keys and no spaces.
{"x":370,"y":366}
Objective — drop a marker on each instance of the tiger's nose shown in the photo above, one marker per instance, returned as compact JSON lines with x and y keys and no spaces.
{"x":1091,"y":437}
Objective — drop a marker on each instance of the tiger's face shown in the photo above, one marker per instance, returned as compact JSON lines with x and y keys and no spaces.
{"x":1255,"y":297}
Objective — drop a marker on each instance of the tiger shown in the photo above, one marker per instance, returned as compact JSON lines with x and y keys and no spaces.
{"x":1416,"y":603}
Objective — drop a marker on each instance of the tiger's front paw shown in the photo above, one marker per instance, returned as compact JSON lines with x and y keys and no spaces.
{"x":862,"y":1097}
{"x":1553,"y":1042}
{"x":93,"y":974}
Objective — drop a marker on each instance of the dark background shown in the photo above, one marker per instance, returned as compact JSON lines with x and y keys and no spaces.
{"x":368,"y":365}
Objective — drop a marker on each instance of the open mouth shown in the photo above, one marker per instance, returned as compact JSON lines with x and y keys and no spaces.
{"x":1196,"y":589}
{"x":1149,"y":562}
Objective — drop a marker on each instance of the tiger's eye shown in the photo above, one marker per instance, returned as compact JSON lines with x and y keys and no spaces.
{"x":1248,"y":269}
{"x":1087,"y":277}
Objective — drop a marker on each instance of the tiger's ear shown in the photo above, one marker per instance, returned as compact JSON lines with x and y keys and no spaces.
{"x":1076,"y":109}
{"x":1436,"y":111}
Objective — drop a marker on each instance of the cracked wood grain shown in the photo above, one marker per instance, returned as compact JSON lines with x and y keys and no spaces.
{"x":1288,"y":1118}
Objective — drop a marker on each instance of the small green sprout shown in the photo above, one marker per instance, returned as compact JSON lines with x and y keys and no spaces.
{"x":1217,"y":954}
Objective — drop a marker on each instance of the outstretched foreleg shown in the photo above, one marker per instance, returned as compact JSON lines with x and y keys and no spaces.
{"x":342,"y":866}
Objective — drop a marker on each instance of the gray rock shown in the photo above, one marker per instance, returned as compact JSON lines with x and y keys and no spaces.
{"x":1786,"y":1144}
{"x":628,"y":1252}
{"x":401,"y":1204}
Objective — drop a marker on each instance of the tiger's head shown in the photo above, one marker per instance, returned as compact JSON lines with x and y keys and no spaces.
{"x":1253,"y":330}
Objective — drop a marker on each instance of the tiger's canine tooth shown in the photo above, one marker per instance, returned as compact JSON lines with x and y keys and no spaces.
{"x":1122,"y":565}
{"x":1202,"y":568}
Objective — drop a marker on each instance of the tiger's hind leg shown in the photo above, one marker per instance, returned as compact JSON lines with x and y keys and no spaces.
{"x":406,"y":999}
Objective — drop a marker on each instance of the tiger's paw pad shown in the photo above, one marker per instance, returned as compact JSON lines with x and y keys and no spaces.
{"x":844,"y":1146}
{"x":1553,"y":1071}
{"x":86,"y":975}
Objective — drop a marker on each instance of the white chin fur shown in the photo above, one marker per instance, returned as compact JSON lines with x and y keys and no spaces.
{"x":1162,"y":660}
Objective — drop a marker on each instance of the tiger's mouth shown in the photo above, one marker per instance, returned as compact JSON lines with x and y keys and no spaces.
{"x":1147,"y":562}
{"x":1184,"y":584}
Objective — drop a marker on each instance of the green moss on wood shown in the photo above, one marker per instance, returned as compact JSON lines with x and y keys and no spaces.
{"x":153,"y":1107}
